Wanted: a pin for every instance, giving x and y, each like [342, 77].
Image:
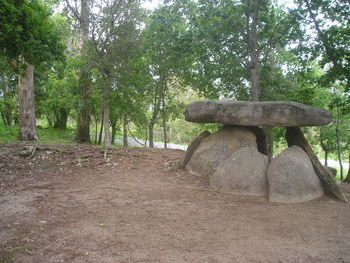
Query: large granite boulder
[243, 172]
[291, 177]
[215, 148]
[193, 146]
[265, 113]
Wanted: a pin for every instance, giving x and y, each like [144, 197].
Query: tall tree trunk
[165, 135]
[105, 103]
[27, 121]
[96, 129]
[125, 130]
[156, 108]
[101, 129]
[252, 20]
[347, 179]
[150, 134]
[114, 128]
[324, 148]
[83, 123]
[338, 145]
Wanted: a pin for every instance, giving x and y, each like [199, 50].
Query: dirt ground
[66, 203]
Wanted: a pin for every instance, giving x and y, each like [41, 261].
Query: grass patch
[45, 134]
[8, 133]
[56, 135]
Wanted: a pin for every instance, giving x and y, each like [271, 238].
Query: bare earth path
[67, 204]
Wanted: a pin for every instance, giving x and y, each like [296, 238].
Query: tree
[7, 93]
[80, 12]
[329, 19]
[236, 41]
[115, 36]
[167, 44]
[27, 37]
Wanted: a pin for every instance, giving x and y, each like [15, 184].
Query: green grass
[56, 135]
[8, 133]
[45, 134]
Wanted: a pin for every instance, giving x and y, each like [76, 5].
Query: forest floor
[66, 203]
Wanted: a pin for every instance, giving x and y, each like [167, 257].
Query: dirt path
[66, 204]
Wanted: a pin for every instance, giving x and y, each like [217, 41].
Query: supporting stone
[260, 139]
[294, 136]
[192, 147]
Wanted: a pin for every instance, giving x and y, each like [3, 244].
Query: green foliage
[27, 32]
[330, 41]
[221, 36]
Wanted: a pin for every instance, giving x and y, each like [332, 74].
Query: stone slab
[265, 113]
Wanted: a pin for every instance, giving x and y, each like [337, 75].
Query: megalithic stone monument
[218, 154]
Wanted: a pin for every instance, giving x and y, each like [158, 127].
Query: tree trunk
[252, 20]
[27, 121]
[150, 134]
[325, 157]
[83, 122]
[96, 129]
[269, 131]
[347, 179]
[156, 108]
[114, 128]
[105, 103]
[61, 120]
[294, 136]
[165, 135]
[338, 145]
[101, 130]
[125, 130]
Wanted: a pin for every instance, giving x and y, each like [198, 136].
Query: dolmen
[236, 160]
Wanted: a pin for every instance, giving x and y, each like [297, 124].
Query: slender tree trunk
[83, 123]
[155, 112]
[125, 130]
[105, 102]
[27, 121]
[114, 128]
[269, 131]
[165, 135]
[338, 145]
[326, 158]
[347, 179]
[96, 129]
[101, 130]
[252, 20]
